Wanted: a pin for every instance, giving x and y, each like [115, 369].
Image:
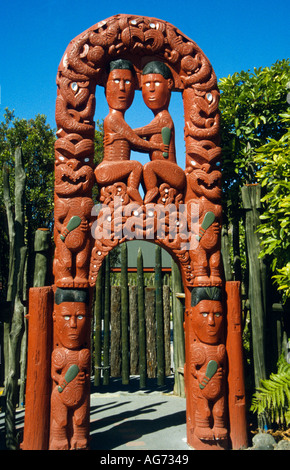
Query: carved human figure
[72, 214]
[70, 371]
[119, 138]
[72, 225]
[157, 83]
[206, 257]
[204, 185]
[207, 363]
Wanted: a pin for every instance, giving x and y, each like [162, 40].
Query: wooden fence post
[107, 302]
[133, 313]
[178, 332]
[124, 314]
[150, 331]
[98, 328]
[16, 292]
[251, 197]
[166, 316]
[141, 318]
[41, 249]
[159, 317]
[115, 331]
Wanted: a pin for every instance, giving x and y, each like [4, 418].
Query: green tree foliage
[36, 139]
[251, 105]
[273, 161]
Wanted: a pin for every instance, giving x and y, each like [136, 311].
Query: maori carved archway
[181, 211]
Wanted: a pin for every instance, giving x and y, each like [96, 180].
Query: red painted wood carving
[181, 208]
[70, 371]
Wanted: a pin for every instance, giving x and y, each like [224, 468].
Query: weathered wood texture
[141, 320]
[16, 294]
[107, 305]
[115, 331]
[178, 331]
[167, 331]
[125, 315]
[98, 329]
[133, 328]
[150, 331]
[159, 317]
[41, 250]
[251, 197]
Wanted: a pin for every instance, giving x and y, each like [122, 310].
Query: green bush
[273, 161]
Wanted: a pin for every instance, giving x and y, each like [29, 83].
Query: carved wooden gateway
[181, 211]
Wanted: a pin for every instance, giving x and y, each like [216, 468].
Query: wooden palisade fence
[132, 326]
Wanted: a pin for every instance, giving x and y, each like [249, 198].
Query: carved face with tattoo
[156, 91]
[208, 319]
[120, 89]
[157, 83]
[71, 323]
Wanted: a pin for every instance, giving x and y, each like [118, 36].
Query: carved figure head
[157, 83]
[71, 317]
[120, 87]
[207, 314]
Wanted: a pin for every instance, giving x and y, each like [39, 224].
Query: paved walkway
[125, 418]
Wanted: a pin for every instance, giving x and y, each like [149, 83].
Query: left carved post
[74, 179]
[36, 425]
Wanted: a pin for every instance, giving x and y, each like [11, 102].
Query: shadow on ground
[125, 417]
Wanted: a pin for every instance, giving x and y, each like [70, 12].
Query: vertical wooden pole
[38, 388]
[107, 302]
[141, 317]
[15, 292]
[41, 249]
[133, 313]
[166, 324]
[150, 331]
[159, 317]
[124, 314]
[251, 196]
[115, 331]
[178, 332]
[236, 383]
[98, 328]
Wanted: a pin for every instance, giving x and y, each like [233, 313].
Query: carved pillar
[37, 405]
[74, 179]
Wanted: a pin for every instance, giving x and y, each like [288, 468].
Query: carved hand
[84, 226]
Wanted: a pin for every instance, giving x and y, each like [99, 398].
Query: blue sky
[234, 36]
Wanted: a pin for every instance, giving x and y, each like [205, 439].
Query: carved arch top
[83, 67]
[141, 39]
